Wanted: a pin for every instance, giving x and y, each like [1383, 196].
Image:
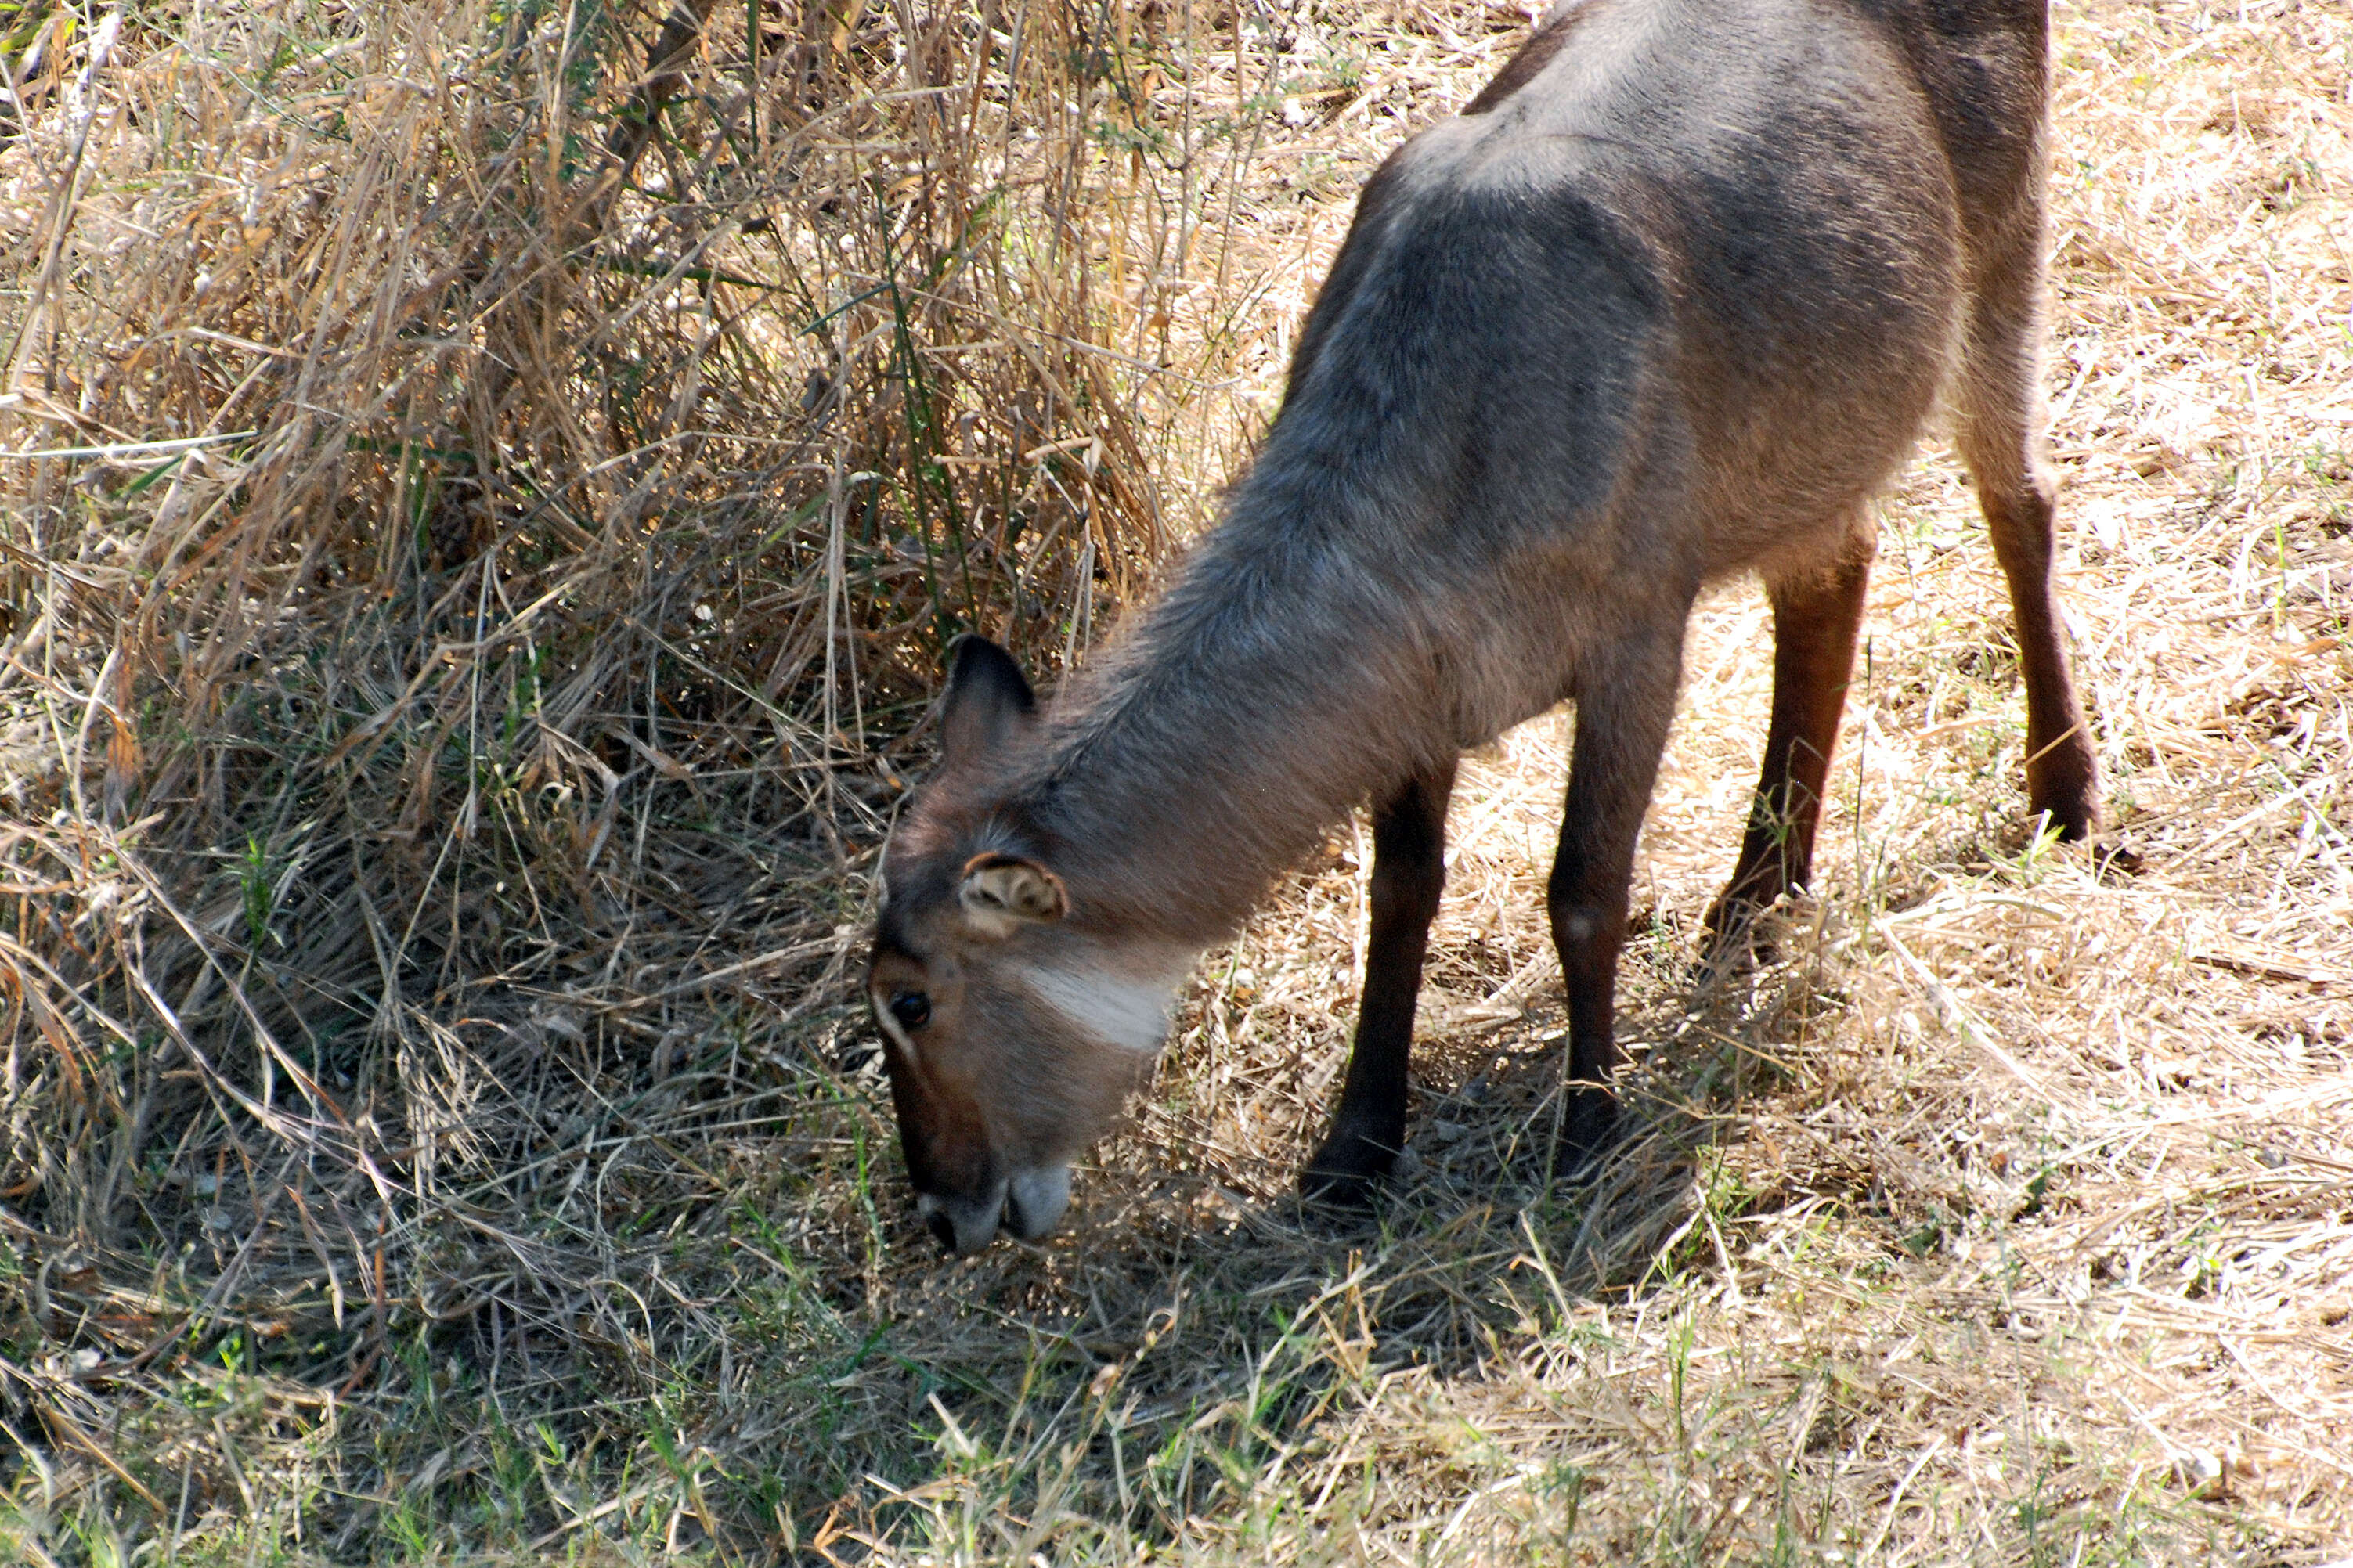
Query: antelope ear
[987, 699]
[1001, 891]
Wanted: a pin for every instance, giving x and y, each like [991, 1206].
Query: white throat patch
[1116, 1008]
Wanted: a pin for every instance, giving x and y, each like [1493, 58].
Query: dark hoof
[2069, 811]
[1738, 931]
[1735, 910]
[1344, 1172]
[2112, 857]
[1730, 934]
[1725, 919]
[1588, 1135]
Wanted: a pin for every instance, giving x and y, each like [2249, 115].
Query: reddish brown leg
[1624, 706]
[1998, 400]
[1816, 617]
[1408, 873]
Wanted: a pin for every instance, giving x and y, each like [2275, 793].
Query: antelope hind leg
[1998, 399]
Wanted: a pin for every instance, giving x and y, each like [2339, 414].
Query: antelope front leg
[1816, 617]
[1624, 707]
[1408, 873]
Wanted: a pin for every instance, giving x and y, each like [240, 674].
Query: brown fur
[1671, 302]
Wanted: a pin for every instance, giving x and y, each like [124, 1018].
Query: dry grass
[437, 1125]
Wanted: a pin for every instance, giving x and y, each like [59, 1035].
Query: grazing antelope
[1668, 300]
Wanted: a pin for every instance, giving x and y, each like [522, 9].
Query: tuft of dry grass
[482, 491]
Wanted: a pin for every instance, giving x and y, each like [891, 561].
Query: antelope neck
[1211, 749]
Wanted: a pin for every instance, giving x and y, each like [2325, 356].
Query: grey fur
[1671, 302]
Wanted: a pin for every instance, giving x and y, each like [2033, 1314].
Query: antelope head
[1016, 1018]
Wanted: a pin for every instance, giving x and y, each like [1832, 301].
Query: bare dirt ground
[2005, 1216]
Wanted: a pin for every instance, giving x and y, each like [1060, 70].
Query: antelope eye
[910, 1009]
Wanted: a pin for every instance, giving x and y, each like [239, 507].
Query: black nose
[945, 1228]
